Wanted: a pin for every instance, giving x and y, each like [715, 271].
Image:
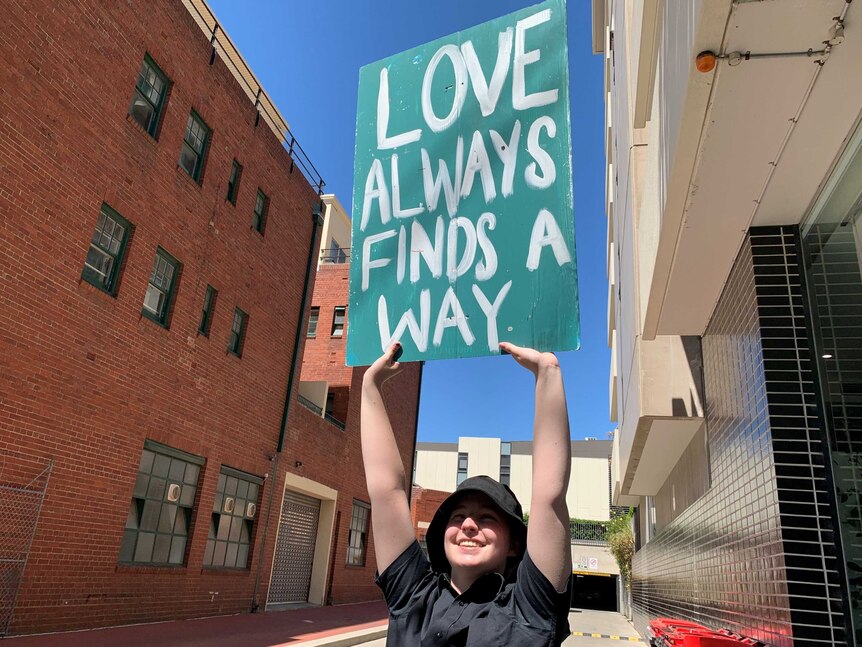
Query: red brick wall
[334, 457]
[324, 355]
[84, 378]
[423, 505]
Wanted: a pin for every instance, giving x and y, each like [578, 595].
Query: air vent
[250, 510]
[174, 490]
[228, 504]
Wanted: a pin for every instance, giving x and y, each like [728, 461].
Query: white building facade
[442, 466]
[733, 199]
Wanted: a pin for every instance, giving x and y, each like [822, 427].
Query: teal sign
[463, 229]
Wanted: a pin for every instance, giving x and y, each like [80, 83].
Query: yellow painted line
[631, 639]
[593, 573]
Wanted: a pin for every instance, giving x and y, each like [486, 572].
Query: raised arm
[548, 531]
[384, 471]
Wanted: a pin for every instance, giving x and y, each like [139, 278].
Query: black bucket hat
[502, 497]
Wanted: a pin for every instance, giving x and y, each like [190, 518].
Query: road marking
[631, 639]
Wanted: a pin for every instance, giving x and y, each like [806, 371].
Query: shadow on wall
[694, 357]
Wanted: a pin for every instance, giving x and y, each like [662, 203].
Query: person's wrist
[548, 363]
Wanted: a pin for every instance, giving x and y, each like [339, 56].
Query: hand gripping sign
[463, 229]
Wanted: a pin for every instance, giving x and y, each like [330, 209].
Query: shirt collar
[485, 589]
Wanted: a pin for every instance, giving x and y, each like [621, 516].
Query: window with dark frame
[107, 248]
[462, 468]
[313, 316]
[207, 311]
[148, 98]
[357, 539]
[232, 521]
[335, 253]
[505, 463]
[338, 253]
[233, 182]
[330, 403]
[161, 288]
[338, 321]
[261, 206]
[194, 147]
[158, 525]
[237, 332]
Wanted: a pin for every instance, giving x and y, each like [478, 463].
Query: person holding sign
[489, 579]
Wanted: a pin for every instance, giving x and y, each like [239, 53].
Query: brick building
[325, 379]
[423, 504]
[327, 433]
[154, 237]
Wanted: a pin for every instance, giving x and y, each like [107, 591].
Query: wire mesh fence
[23, 481]
[591, 533]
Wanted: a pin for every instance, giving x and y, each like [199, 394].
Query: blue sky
[307, 55]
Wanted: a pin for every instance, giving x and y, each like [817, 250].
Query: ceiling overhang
[658, 445]
[770, 129]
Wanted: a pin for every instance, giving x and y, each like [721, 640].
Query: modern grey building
[734, 194]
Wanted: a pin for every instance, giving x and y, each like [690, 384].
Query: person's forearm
[384, 470]
[551, 443]
[548, 530]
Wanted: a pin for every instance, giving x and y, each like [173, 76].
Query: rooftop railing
[264, 107]
[590, 533]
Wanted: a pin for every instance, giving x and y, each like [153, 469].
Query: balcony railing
[590, 533]
[335, 255]
[335, 421]
[308, 404]
[264, 107]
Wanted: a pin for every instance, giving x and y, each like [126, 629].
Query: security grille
[294, 549]
[23, 481]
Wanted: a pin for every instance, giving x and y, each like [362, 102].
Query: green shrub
[621, 542]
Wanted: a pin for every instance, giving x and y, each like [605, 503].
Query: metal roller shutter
[294, 549]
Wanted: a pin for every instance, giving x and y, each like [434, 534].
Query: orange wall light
[705, 62]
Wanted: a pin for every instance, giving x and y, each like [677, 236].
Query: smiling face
[477, 539]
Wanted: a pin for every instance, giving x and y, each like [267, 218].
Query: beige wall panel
[436, 470]
[336, 224]
[483, 455]
[521, 480]
[582, 554]
[588, 496]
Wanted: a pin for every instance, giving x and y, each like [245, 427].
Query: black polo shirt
[424, 609]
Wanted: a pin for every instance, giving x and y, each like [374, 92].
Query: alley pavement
[336, 626]
[601, 629]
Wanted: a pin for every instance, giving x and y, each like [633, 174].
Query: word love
[465, 63]
[463, 194]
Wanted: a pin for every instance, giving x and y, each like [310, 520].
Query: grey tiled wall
[755, 552]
